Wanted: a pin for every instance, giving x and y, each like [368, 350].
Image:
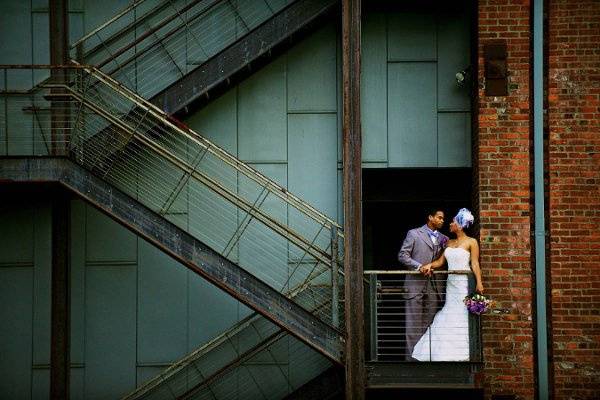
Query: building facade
[208, 115]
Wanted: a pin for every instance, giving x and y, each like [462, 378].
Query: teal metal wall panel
[15, 31]
[77, 287]
[146, 373]
[75, 25]
[40, 27]
[261, 250]
[110, 339]
[16, 330]
[412, 130]
[40, 383]
[454, 139]
[249, 14]
[76, 383]
[212, 219]
[308, 363]
[162, 307]
[311, 73]
[17, 235]
[20, 123]
[374, 88]
[453, 56]
[411, 37]
[98, 12]
[38, 5]
[218, 121]
[262, 115]
[210, 311]
[312, 162]
[42, 284]
[107, 241]
[272, 380]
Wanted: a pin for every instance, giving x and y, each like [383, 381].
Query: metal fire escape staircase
[248, 236]
[181, 51]
[178, 53]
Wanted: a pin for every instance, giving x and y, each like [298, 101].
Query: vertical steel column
[353, 262]
[60, 310]
[59, 55]
[335, 287]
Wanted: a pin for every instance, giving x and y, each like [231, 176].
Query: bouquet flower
[477, 303]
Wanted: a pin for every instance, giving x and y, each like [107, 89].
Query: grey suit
[423, 295]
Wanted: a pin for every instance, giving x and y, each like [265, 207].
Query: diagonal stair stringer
[180, 245]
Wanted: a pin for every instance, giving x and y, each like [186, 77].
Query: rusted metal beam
[59, 54]
[353, 262]
[183, 247]
[60, 307]
[238, 56]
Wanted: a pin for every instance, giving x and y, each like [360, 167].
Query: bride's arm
[475, 265]
[437, 263]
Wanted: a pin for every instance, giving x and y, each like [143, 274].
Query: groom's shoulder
[414, 231]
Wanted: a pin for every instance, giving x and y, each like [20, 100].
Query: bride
[447, 338]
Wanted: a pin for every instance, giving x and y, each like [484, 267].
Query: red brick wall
[574, 165]
[503, 165]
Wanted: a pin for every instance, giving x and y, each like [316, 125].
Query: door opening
[395, 201]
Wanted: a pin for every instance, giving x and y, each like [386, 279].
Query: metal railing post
[335, 289]
[373, 334]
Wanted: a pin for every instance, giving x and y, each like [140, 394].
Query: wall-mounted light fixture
[462, 77]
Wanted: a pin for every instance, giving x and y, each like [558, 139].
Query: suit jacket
[418, 249]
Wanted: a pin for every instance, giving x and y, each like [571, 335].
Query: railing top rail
[405, 272]
[43, 66]
[117, 16]
[139, 101]
[213, 148]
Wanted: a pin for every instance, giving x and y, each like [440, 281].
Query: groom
[423, 295]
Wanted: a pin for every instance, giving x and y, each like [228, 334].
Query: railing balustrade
[239, 212]
[148, 45]
[401, 330]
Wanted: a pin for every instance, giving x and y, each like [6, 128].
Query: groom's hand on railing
[426, 270]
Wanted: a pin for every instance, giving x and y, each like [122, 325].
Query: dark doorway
[395, 201]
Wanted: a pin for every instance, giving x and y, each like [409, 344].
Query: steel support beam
[183, 247]
[221, 67]
[449, 375]
[353, 262]
[60, 310]
[60, 299]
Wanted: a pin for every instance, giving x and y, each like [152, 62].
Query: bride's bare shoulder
[473, 242]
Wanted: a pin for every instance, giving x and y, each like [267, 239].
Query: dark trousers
[420, 311]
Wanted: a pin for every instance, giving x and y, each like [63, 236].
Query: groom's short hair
[433, 210]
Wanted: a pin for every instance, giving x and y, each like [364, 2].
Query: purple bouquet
[477, 303]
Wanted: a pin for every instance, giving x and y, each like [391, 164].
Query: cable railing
[240, 213]
[407, 326]
[148, 48]
[203, 368]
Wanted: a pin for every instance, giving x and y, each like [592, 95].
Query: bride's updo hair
[464, 218]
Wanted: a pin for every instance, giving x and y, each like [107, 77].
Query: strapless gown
[447, 338]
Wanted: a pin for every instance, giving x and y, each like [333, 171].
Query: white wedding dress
[447, 338]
